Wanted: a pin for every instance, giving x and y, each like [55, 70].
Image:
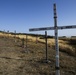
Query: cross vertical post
[56, 41]
[46, 44]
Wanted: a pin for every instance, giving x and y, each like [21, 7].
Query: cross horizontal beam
[67, 27]
[39, 29]
[52, 28]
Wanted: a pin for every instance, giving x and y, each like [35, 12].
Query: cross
[55, 28]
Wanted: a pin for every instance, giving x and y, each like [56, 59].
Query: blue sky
[20, 15]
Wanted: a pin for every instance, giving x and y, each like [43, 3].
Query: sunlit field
[31, 59]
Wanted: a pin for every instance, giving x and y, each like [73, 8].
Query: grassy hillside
[16, 60]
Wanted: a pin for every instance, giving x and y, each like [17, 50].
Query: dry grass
[15, 60]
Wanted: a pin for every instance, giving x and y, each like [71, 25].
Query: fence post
[26, 42]
[15, 35]
[23, 42]
[36, 39]
[8, 33]
[4, 33]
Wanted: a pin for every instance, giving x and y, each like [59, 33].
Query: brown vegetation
[16, 60]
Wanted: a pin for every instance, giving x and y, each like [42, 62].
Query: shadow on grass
[42, 67]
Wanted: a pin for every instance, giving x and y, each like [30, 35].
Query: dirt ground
[16, 60]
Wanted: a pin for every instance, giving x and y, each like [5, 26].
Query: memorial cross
[55, 28]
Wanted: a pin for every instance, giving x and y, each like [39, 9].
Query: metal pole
[46, 44]
[56, 42]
